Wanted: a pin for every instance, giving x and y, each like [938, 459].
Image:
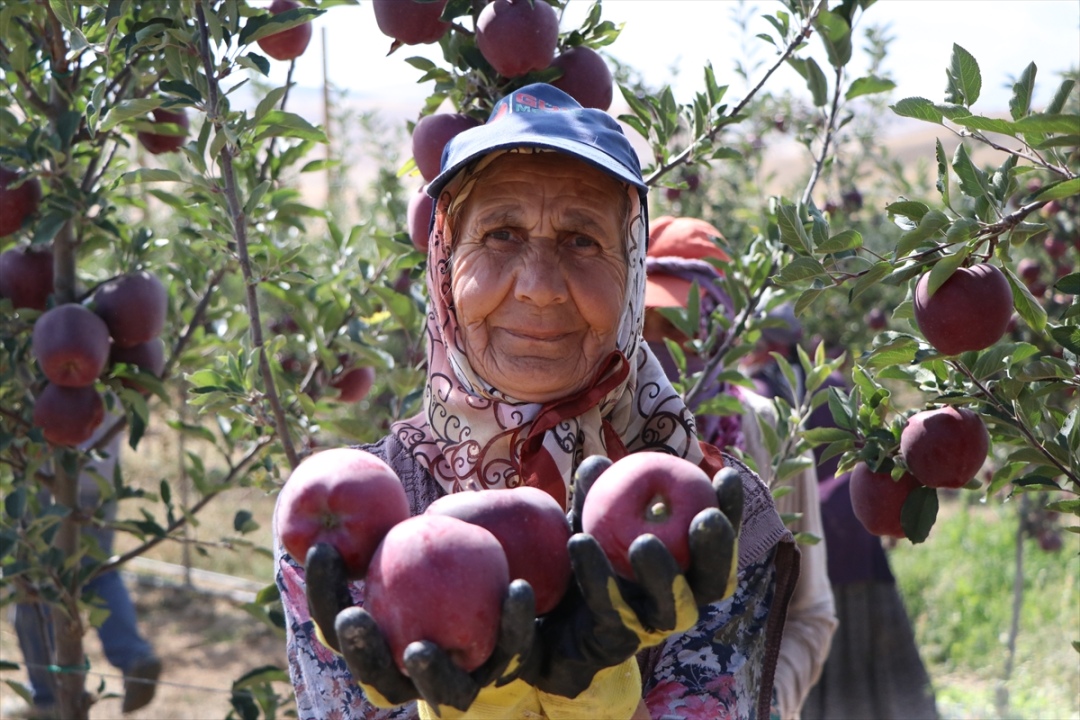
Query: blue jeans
[119, 634]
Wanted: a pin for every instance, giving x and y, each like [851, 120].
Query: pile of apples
[442, 575]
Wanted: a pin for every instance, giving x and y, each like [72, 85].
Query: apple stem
[658, 509]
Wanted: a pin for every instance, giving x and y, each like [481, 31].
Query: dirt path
[205, 642]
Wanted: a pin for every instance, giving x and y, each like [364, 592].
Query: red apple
[26, 277]
[147, 357]
[71, 344]
[532, 529]
[16, 203]
[877, 500]
[354, 384]
[439, 579]
[170, 135]
[586, 77]
[1029, 270]
[944, 448]
[419, 219]
[411, 22]
[430, 136]
[646, 492]
[287, 44]
[68, 415]
[346, 497]
[876, 319]
[1055, 246]
[970, 310]
[133, 306]
[517, 37]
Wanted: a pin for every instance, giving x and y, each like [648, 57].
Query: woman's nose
[540, 278]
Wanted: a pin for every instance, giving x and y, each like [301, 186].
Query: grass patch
[958, 589]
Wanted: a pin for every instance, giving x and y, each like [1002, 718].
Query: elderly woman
[536, 278]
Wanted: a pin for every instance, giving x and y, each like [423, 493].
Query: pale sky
[1002, 35]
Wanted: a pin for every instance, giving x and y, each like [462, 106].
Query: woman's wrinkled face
[539, 273]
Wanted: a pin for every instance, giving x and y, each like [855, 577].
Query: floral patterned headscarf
[470, 434]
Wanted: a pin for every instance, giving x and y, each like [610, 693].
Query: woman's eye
[583, 242]
[499, 235]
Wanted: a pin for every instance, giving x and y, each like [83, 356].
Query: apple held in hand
[133, 306]
[16, 203]
[68, 415]
[970, 311]
[944, 448]
[532, 529]
[411, 22]
[646, 492]
[517, 37]
[26, 276]
[71, 344]
[287, 44]
[876, 500]
[346, 497]
[171, 135]
[439, 579]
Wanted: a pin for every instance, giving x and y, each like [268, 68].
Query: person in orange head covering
[678, 255]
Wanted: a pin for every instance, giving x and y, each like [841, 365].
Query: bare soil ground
[205, 643]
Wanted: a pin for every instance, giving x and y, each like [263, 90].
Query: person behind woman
[535, 277]
[678, 248]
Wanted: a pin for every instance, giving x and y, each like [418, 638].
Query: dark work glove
[433, 676]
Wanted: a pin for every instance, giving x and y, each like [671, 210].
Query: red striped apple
[646, 492]
[346, 497]
[439, 579]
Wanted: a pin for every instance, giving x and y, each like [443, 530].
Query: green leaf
[817, 83]
[1061, 96]
[919, 108]
[1027, 307]
[822, 435]
[919, 513]
[876, 272]
[868, 86]
[836, 36]
[259, 26]
[930, 224]
[972, 179]
[287, 124]
[1067, 336]
[964, 76]
[1070, 284]
[944, 268]
[1020, 102]
[800, 268]
[1049, 123]
[128, 109]
[792, 232]
[977, 122]
[910, 209]
[145, 175]
[181, 88]
[1059, 190]
[942, 172]
[846, 240]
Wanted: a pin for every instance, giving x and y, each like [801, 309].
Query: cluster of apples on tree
[470, 545]
[513, 40]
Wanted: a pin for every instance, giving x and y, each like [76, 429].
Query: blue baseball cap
[540, 115]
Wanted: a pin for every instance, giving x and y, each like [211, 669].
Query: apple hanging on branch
[71, 345]
[287, 44]
[16, 203]
[944, 448]
[68, 416]
[133, 307]
[969, 311]
[877, 500]
[171, 130]
[517, 37]
[410, 22]
[26, 277]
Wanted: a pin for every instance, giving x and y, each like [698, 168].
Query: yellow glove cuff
[614, 694]
[686, 612]
[513, 701]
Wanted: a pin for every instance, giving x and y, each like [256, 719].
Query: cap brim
[666, 291]
[511, 132]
